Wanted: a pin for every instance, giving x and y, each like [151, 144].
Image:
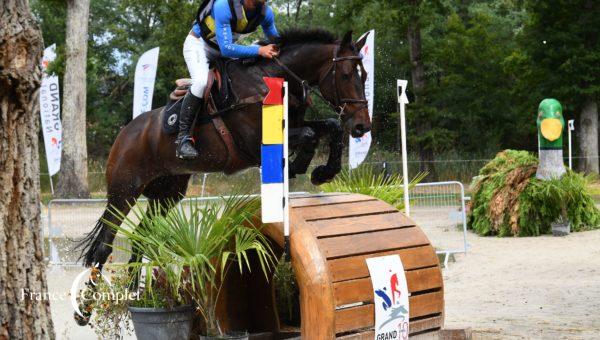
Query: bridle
[339, 103]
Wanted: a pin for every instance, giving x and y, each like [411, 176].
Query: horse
[142, 159]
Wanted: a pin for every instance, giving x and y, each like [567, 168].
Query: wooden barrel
[331, 236]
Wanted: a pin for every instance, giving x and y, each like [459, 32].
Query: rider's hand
[268, 51]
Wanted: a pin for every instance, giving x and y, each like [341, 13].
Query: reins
[340, 103]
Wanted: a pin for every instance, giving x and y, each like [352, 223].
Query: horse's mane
[296, 36]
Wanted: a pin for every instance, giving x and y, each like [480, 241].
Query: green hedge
[508, 200]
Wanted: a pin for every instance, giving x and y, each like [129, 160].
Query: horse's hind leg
[97, 244]
[162, 193]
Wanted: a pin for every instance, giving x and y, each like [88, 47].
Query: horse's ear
[347, 40]
[362, 41]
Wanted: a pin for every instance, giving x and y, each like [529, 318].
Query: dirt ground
[504, 288]
[535, 288]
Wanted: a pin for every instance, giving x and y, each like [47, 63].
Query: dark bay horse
[142, 159]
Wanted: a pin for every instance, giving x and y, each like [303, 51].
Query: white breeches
[197, 55]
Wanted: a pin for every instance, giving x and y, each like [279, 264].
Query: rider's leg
[197, 63]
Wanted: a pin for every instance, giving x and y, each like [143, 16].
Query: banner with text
[145, 76]
[50, 113]
[390, 293]
[359, 147]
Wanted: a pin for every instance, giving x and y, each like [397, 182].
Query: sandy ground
[504, 288]
[535, 288]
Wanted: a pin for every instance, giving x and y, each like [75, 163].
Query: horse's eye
[345, 76]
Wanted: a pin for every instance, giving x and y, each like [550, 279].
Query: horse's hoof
[80, 320]
[321, 175]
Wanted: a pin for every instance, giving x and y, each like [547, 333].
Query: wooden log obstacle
[331, 236]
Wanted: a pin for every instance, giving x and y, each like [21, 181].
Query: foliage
[190, 253]
[560, 51]
[111, 315]
[287, 294]
[507, 199]
[487, 63]
[365, 180]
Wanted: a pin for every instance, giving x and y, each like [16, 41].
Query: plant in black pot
[189, 251]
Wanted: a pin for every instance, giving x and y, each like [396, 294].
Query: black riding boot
[185, 142]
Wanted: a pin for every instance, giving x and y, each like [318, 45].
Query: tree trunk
[422, 126]
[588, 137]
[23, 312]
[73, 179]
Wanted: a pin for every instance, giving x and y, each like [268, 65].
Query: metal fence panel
[440, 209]
[67, 221]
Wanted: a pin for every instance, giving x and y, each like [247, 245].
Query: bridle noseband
[339, 104]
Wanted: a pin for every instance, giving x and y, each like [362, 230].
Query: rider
[219, 23]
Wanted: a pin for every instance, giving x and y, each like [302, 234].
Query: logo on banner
[146, 67]
[390, 298]
[390, 295]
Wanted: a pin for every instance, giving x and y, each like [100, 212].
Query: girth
[234, 161]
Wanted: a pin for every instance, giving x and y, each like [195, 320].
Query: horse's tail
[90, 243]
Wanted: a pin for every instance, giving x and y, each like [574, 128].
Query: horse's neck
[307, 60]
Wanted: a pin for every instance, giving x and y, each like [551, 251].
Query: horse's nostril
[359, 128]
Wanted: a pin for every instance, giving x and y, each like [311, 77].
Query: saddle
[219, 98]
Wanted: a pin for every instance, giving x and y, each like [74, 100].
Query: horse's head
[342, 83]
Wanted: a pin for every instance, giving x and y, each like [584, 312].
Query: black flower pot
[162, 323]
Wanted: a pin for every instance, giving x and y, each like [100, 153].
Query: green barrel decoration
[550, 124]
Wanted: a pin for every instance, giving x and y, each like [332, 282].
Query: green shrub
[365, 180]
[508, 200]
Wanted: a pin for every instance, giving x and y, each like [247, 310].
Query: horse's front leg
[304, 141]
[332, 127]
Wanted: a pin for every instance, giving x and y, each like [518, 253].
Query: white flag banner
[50, 113]
[359, 147]
[145, 75]
[390, 293]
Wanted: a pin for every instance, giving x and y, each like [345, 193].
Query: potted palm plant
[189, 254]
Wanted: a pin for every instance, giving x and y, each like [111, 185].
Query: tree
[23, 314]
[562, 49]
[73, 179]
[423, 126]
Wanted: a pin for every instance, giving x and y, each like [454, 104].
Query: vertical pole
[203, 184]
[464, 216]
[52, 185]
[286, 179]
[402, 101]
[571, 127]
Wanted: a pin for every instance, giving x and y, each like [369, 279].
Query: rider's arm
[268, 24]
[229, 49]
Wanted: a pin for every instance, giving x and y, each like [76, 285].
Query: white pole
[203, 184]
[52, 185]
[571, 125]
[402, 101]
[286, 179]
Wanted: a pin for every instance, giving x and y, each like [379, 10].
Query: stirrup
[178, 150]
[185, 138]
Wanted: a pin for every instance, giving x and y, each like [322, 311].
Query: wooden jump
[331, 236]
